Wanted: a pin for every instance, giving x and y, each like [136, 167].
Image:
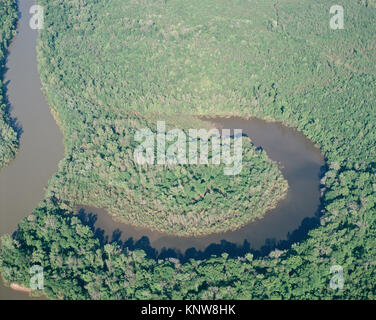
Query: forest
[99, 126]
[8, 134]
[111, 67]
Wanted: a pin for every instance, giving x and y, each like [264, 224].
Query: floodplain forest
[111, 67]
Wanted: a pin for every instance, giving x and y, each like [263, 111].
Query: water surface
[23, 182]
[300, 162]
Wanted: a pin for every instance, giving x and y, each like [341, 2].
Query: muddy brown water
[23, 183]
[301, 163]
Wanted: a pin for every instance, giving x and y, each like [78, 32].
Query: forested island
[111, 67]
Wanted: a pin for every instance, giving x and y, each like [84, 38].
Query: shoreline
[17, 287]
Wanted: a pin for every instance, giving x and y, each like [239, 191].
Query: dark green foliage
[289, 67]
[184, 199]
[104, 91]
[8, 136]
[77, 267]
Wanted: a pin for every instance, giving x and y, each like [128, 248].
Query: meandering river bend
[22, 184]
[300, 162]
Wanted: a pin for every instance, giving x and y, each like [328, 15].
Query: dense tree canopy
[250, 58]
[104, 92]
[8, 136]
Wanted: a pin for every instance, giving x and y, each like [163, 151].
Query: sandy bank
[20, 288]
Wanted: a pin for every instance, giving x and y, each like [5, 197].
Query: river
[301, 163]
[23, 183]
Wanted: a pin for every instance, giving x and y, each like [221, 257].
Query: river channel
[23, 182]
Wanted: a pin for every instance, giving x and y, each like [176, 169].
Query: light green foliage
[117, 70]
[273, 60]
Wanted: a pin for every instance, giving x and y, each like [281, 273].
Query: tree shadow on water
[233, 250]
[215, 249]
[10, 118]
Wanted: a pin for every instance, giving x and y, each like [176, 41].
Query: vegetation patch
[8, 136]
[289, 67]
[108, 80]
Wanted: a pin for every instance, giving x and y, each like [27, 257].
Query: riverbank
[19, 288]
[9, 136]
[23, 181]
[300, 162]
[341, 123]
